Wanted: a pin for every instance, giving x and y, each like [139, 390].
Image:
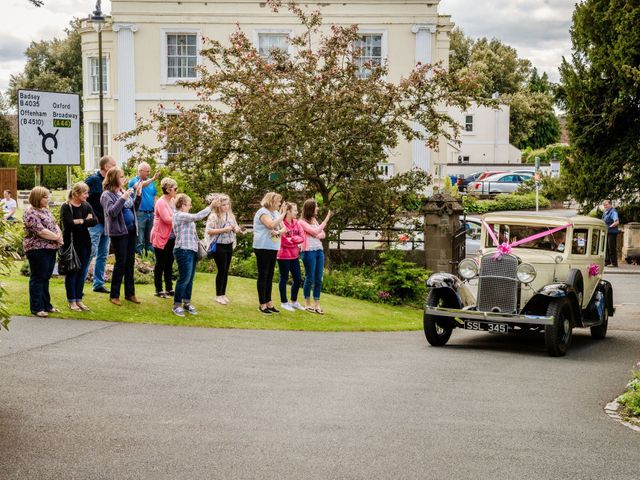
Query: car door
[507, 184]
[595, 258]
[579, 259]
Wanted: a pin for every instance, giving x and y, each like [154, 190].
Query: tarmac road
[98, 400]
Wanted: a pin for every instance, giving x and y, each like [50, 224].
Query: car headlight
[526, 273]
[468, 268]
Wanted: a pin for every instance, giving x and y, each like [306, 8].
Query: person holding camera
[121, 225]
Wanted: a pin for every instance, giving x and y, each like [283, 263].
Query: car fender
[540, 301]
[452, 283]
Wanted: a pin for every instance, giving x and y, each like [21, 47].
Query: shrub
[9, 240]
[631, 397]
[354, 282]
[504, 201]
[401, 280]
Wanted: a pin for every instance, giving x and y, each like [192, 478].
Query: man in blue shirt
[147, 206]
[610, 217]
[99, 240]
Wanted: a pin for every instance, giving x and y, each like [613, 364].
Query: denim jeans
[287, 266]
[74, 281]
[99, 251]
[186, 260]
[41, 263]
[314, 268]
[145, 224]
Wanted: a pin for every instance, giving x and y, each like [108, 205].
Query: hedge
[504, 201]
[54, 176]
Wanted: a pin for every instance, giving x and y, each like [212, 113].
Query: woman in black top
[76, 216]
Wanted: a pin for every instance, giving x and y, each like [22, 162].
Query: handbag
[214, 243]
[68, 261]
[202, 250]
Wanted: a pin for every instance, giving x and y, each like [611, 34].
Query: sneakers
[190, 309]
[273, 309]
[297, 305]
[222, 300]
[287, 306]
[266, 311]
[179, 311]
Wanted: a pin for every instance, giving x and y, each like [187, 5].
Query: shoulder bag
[68, 261]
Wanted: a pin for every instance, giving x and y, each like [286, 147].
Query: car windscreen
[511, 233]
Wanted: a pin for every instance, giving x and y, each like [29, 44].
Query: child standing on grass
[313, 254]
[290, 240]
[186, 252]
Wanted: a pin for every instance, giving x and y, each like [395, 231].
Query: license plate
[486, 326]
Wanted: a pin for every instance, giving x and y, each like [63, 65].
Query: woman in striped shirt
[186, 252]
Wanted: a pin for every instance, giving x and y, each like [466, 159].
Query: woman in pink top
[291, 236]
[313, 254]
[163, 239]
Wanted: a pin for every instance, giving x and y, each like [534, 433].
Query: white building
[149, 46]
[484, 142]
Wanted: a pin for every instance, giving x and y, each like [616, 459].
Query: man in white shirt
[9, 206]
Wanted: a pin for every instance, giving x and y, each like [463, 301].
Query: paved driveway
[96, 400]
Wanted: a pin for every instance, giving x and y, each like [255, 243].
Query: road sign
[48, 128]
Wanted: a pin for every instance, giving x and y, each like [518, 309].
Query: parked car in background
[545, 277]
[464, 180]
[525, 171]
[500, 183]
[490, 173]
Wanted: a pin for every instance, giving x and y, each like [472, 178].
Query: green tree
[600, 90]
[307, 124]
[500, 70]
[7, 140]
[54, 65]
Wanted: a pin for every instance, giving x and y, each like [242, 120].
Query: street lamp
[98, 21]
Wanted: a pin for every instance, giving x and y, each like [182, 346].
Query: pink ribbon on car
[506, 248]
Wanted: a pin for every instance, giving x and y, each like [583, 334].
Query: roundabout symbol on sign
[45, 137]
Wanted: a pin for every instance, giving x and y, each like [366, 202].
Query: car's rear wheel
[600, 331]
[438, 329]
[557, 337]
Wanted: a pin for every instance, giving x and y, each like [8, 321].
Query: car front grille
[498, 285]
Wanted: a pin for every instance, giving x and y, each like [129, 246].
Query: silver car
[499, 183]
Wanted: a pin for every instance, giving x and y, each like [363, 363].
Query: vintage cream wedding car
[534, 274]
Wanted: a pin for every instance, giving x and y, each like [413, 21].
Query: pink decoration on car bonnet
[594, 270]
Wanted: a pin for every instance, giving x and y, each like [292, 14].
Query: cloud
[539, 30]
[11, 48]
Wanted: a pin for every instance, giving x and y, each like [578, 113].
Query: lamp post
[98, 21]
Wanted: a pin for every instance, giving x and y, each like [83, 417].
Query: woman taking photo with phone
[221, 231]
[163, 238]
[313, 254]
[267, 223]
[121, 225]
[288, 258]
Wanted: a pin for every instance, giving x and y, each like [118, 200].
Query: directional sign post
[49, 128]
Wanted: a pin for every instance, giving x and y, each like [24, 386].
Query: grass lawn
[341, 314]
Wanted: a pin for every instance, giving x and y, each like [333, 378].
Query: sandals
[83, 307]
[162, 294]
[318, 310]
[74, 307]
[41, 314]
[54, 310]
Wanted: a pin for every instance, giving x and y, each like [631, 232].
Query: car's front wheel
[557, 337]
[438, 329]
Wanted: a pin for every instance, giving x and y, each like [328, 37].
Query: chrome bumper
[460, 315]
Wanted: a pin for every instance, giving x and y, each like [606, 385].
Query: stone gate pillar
[441, 222]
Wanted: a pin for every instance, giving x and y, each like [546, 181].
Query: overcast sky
[538, 29]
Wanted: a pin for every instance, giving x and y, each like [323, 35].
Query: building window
[385, 170]
[94, 72]
[369, 53]
[468, 123]
[267, 42]
[182, 55]
[172, 149]
[465, 159]
[95, 140]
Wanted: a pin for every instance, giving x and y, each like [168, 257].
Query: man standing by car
[145, 212]
[99, 241]
[610, 217]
